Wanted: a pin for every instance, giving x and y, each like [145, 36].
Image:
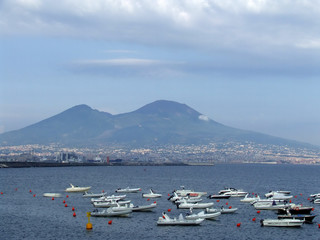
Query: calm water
[26, 216]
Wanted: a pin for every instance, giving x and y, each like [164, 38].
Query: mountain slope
[160, 122]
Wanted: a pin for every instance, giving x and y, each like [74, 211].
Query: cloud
[201, 23]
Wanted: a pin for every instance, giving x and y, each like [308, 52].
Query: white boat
[233, 192]
[280, 196]
[77, 189]
[108, 198]
[316, 195]
[202, 215]
[152, 194]
[271, 193]
[185, 204]
[93, 195]
[165, 220]
[317, 201]
[175, 197]
[249, 199]
[270, 205]
[281, 222]
[109, 212]
[52, 195]
[128, 190]
[188, 200]
[184, 192]
[227, 210]
[112, 203]
[133, 208]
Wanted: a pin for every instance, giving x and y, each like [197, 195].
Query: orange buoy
[72, 208]
[1, 193]
[103, 191]
[34, 195]
[154, 202]
[74, 214]
[218, 200]
[258, 211]
[148, 199]
[110, 222]
[30, 191]
[295, 196]
[319, 225]
[89, 224]
[290, 201]
[308, 199]
[230, 207]
[227, 203]
[64, 201]
[169, 210]
[52, 198]
[254, 219]
[312, 209]
[66, 205]
[300, 194]
[67, 196]
[238, 224]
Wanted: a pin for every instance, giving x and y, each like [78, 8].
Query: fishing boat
[77, 189]
[165, 220]
[281, 222]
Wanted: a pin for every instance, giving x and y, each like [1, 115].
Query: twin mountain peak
[161, 122]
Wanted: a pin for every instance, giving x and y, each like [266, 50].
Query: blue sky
[250, 64]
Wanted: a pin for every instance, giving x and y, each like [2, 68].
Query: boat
[108, 198]
[52, 195]
[271, 193]
[233, 192]
[112, 203]
[219, 196]
[188, 200]
[270, 205]
[184, 192]
[295, 209]
[305, 218]
[165, 220]
[128, 190]
[152, 194]
[133, 208]
[93, 195]
[281, 222]
[77, 189]
[316, 195]
[202, 215]
[185, 204]
[227, 210]
[110, 213]
[316, 201]
[175, 197]
[250, 199]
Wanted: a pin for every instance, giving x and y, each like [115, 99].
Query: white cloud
[204, 118]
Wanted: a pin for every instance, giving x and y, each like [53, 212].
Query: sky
[249, 64]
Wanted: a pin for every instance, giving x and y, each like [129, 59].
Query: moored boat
[128, 190]
[281, 222]
[305, 218]
[111, 213]
[203, 215]
[249, 199]
[52, 195]
[185, 204]
[152, 194]
[93, 195]
[77, 189]
[165, 220]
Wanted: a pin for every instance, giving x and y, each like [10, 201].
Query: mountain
[160, 122]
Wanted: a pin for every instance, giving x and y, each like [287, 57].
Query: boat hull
[281, 223]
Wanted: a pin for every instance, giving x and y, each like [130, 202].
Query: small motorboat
[175, 197]
[112, 203]
[305, 218]
[316, 195]
[227, 210]
[133, 208]
[316, 201]
[188, 200]
[152, 194]
[249, 199]
[271, 205]
[108, 198]
[202, 215]
[52, 195]
[219, 196]
[184, 192]
[281, 222]
[93, 195]
[165, 220]
[233, 192]
[295, 209]
[110, 213]
[271, 193]
[185, 204]
[128, 190]
[77, 189]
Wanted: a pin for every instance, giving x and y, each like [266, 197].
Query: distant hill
[160, 122]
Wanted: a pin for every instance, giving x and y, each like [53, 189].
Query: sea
[26, 214]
